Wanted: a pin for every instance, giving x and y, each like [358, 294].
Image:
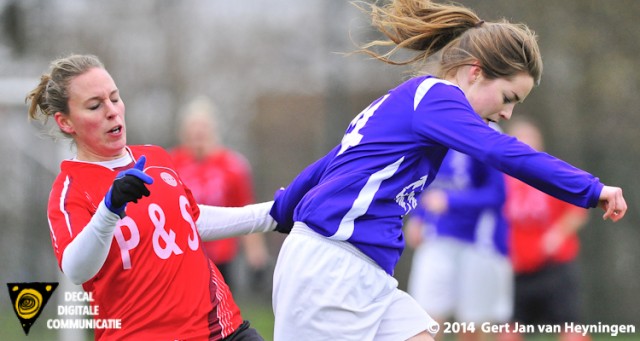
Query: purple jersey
[392, 150]
[475, 202]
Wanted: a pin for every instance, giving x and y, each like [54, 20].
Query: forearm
[85, 255]
[225, 222]
[287, 200]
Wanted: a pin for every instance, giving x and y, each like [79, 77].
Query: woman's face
[96, 116]
[494, 99]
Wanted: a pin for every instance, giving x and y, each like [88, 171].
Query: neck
[94, 157]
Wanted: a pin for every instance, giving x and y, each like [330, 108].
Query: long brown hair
[457, 35]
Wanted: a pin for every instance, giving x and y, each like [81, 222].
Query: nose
[112, 109]
[506, 114]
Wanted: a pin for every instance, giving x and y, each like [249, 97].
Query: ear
[475, 71]
[64, 123]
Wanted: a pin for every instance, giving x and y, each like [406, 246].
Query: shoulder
[147, 148]
[62, 180]
[79, 171]
[429, 89]
[80, 182]
[423, 84]
[150, 151]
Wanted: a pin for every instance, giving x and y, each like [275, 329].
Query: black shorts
[549, 296]
[244, 333]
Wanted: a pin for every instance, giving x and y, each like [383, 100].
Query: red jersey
[156, 279]
[531, 213]
[222, 179]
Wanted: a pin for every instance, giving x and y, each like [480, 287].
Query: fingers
[613, 215]
[140, 175]
[614, 204]
[129, 186]
[133, 189]
[140, 163]
[138, 171]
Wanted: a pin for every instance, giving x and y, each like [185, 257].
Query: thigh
[404, 318]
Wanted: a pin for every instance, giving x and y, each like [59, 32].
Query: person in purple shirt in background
[334, 274]
[460, 269]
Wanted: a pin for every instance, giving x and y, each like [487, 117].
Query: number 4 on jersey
[353, 137]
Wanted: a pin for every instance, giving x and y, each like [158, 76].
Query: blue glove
[128, 186]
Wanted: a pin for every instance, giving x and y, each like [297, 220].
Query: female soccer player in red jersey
[125, 226]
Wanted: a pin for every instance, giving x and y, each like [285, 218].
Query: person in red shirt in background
[217, 176]
[544, 247]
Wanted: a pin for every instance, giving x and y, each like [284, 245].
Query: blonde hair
[458, 35]
[51, 95]
[202, 110]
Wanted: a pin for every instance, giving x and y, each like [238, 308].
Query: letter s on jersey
[156, 215]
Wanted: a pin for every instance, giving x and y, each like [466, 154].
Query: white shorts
[452, 278]
[329, 290]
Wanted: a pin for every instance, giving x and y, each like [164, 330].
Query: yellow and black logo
[29, 299]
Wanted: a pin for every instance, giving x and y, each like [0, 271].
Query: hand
[613, 203]
[128, 186]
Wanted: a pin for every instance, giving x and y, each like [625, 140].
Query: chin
[119, 150]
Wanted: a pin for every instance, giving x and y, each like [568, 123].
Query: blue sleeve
[488, 192]
[445, 117]
[287, 199]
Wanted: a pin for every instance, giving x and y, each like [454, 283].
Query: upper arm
[68, 213]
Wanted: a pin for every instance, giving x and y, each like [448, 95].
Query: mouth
[115, 130]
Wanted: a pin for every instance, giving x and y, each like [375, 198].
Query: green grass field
[260, 314]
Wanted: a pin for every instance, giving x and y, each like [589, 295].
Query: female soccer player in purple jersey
[333, 278]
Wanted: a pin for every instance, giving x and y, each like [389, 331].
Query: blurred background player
[460, 269]
[544, 247]
[218, 176]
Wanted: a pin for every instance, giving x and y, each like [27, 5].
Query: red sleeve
[68, 213]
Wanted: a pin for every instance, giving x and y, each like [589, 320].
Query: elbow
[69, 270]
[74, 278]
